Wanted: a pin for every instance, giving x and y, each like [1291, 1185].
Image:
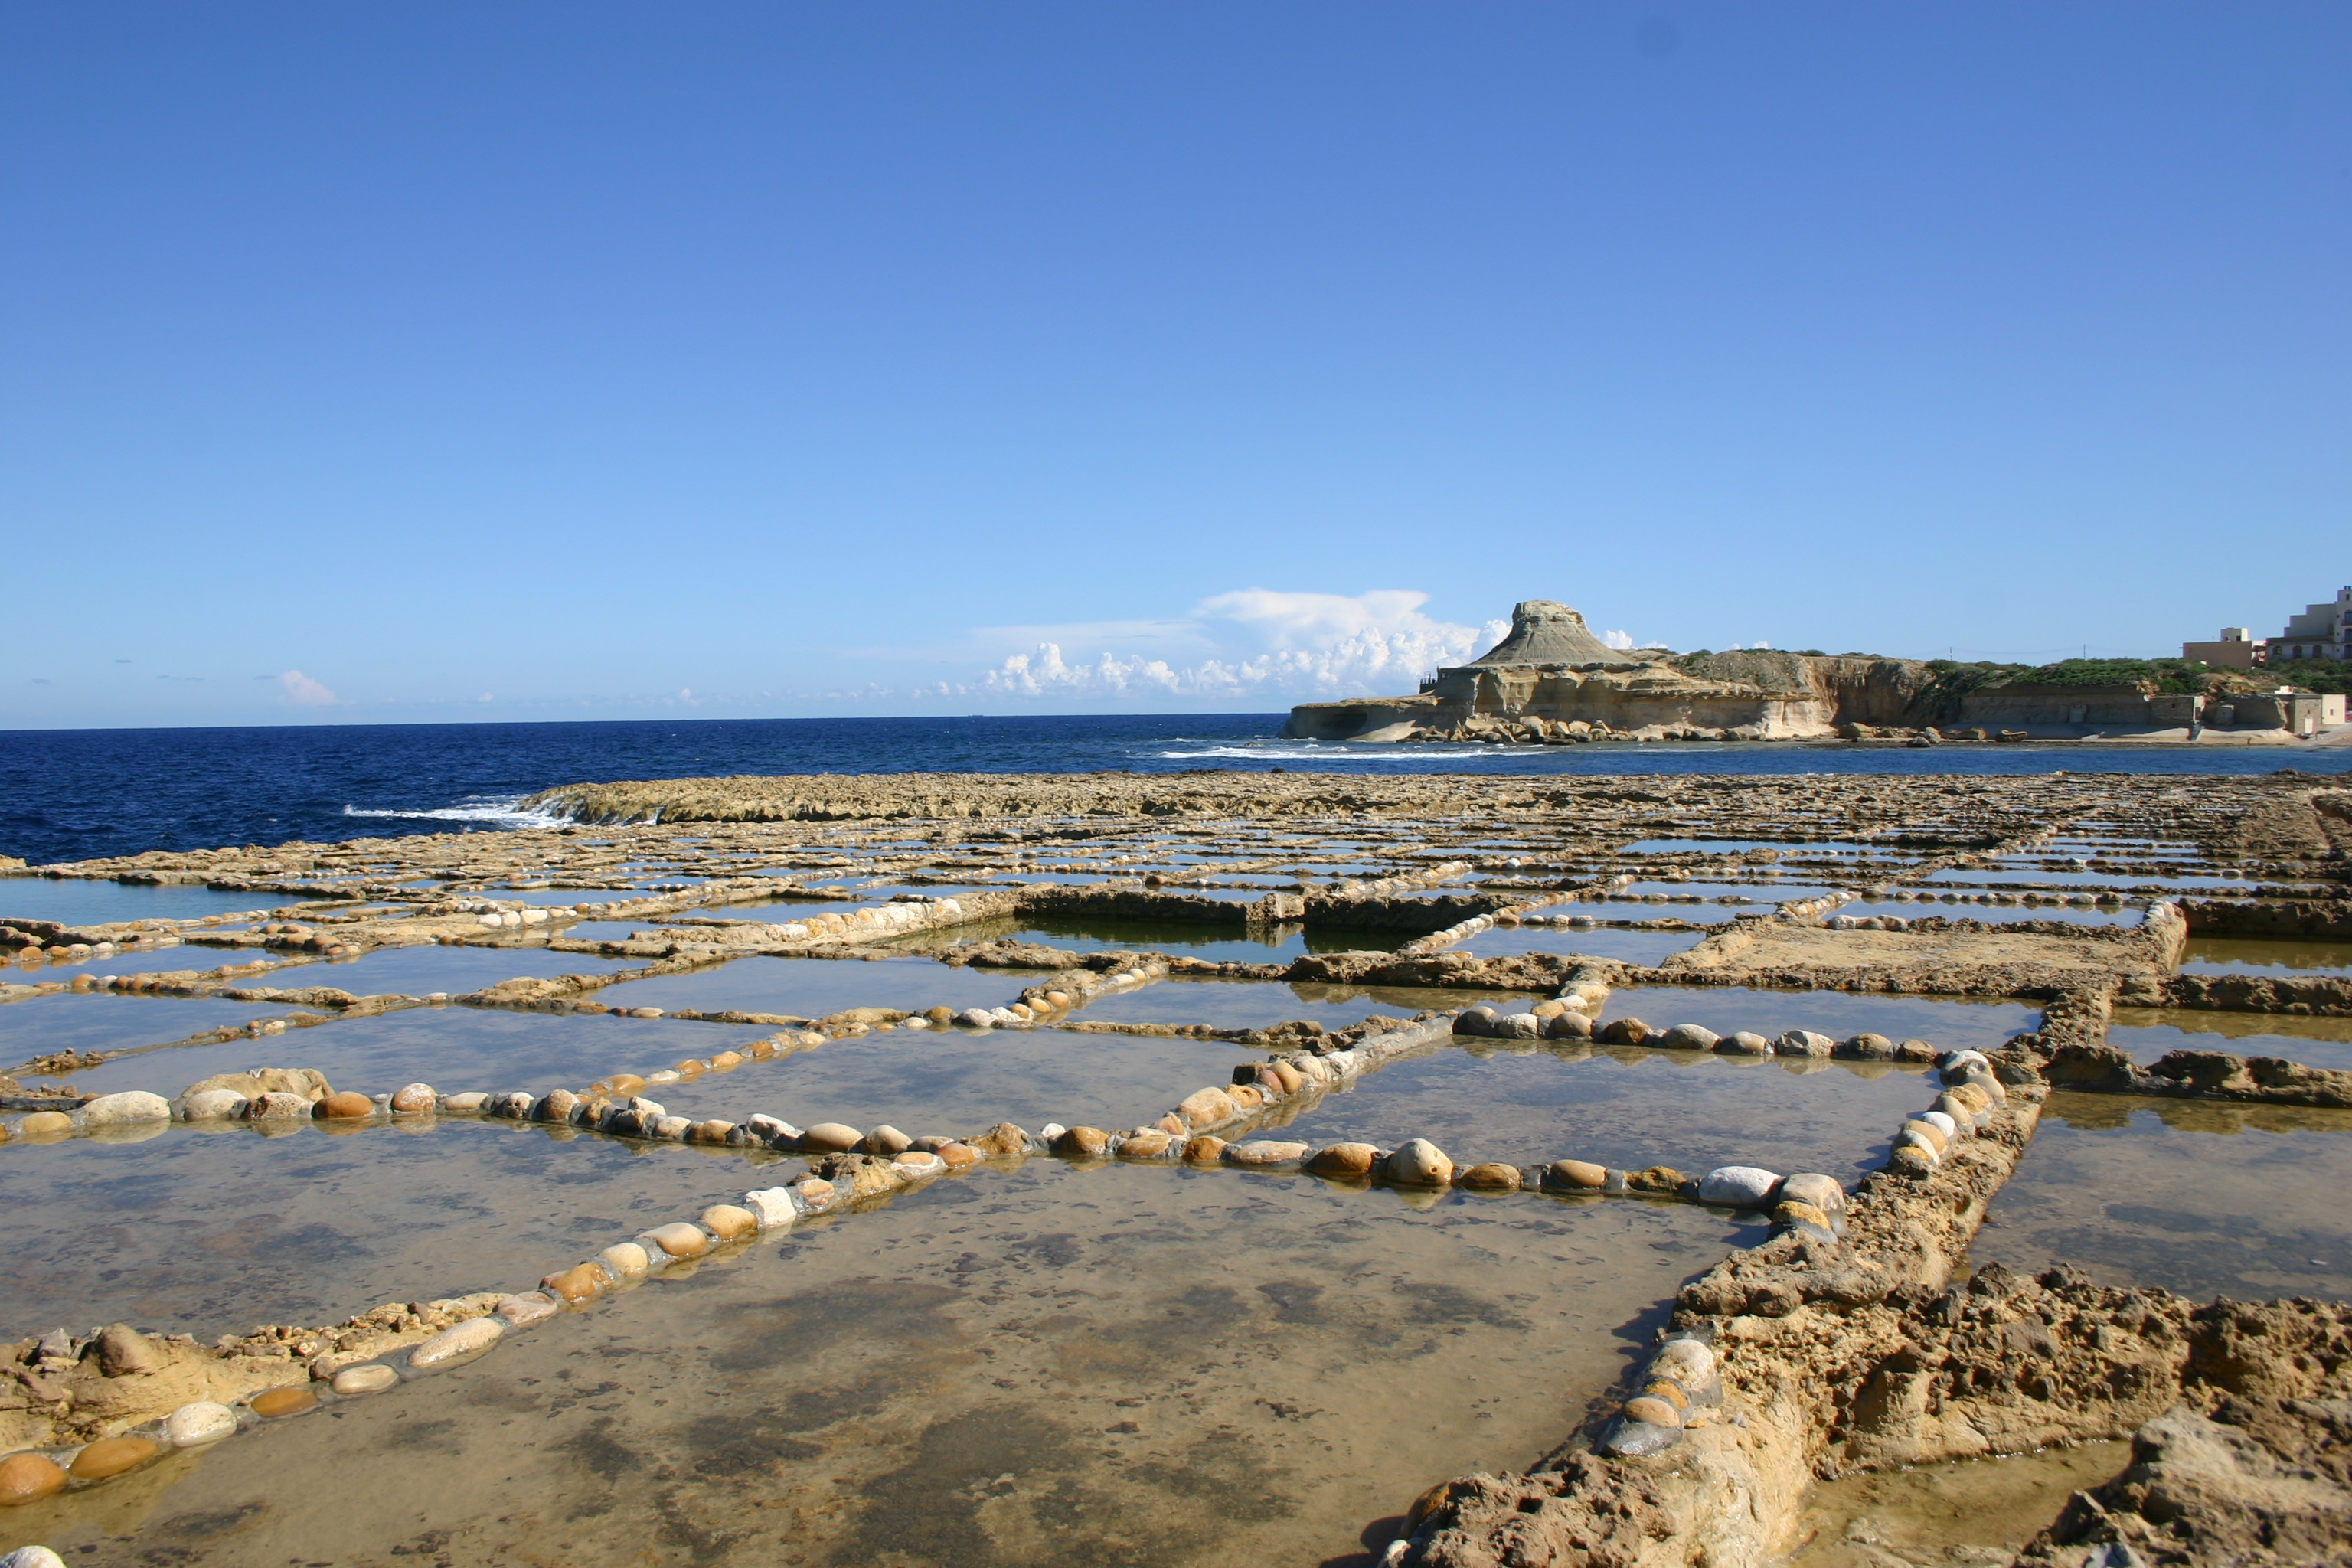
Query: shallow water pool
[77, 900]
[422, 969]
[217, 1229]
[98, 1021]
[2202, 1197]
[1643, 947]
[960, 1082]
[1255, 1003]
[1186, 939]
[455, 1049]
[1531, 1102]
[2149, 1032]
[2252, 955]
[1039, 1367]
[1990, 914]
[814, 987]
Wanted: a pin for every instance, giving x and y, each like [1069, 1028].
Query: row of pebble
[1972, 1092]
[1552, 1022]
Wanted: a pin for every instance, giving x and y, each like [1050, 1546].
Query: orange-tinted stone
[573, 1286]
[1344, 1160]
[283, 1402]
[28, 1478]
[1082, 1141]
[111, 1457]
[343, 1105]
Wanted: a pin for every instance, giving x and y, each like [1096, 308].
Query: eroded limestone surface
[656, 940]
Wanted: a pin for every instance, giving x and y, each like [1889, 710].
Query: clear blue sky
[434, 361]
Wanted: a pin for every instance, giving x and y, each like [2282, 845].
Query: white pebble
[466, 1339]
[205, 1421]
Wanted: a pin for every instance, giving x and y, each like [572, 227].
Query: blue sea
[71, 795]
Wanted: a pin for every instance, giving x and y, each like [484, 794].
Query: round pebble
[1688, 1362]
[201, 1421]
[29, 1478]
[46, 1125]
[466, 1338]
[414, 1099]
[1822, 1192]
[1737, 1186]
[581, 1282]
[32, 1557]
[1418, 1163]
[278, 1402]
[1576, 1175]
[679, 1239]
[1653, 1410]
[626, 1260]
[830, 1138]
[1491, 1178]
[1344, 1160]
[374, 1378]
[1082, 1141]
[1934, 1137]
[111, 1457]
[134, 1105]
[343, 1106]
[213, 1105]
[728, 1223]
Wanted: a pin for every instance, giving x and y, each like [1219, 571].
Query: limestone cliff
[1551, 680]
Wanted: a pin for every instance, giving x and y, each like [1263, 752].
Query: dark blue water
[69, 795]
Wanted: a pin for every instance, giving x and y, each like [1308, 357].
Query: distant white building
[2322, 631]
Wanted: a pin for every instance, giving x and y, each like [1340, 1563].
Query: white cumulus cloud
[1249, 643]
[305, 693]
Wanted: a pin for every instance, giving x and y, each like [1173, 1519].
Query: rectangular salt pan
[217, 1228]
[2251, 956]
[1045, 1366]
[2146, 1033]
[1256, 1003]
[2199, 1197]
[1625, 1107]
[97, 1022]
[958, 1083]
[76, 900]
[453, 1048]
[814, 987]
[1643, 947]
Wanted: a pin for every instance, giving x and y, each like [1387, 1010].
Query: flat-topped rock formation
[1552, 682]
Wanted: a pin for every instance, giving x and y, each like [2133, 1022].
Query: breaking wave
[497, 813]
[1353, 753]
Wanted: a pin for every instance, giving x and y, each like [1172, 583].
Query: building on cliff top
[2237, 648]
[2322, 631]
